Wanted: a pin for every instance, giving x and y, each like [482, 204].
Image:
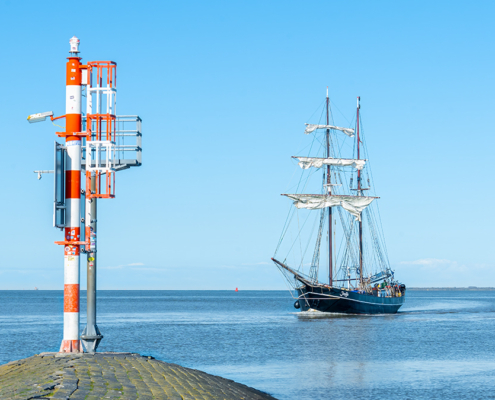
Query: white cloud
[258, 263]
[427, 261]
[436, 272]
[437, 264]
[149, 269]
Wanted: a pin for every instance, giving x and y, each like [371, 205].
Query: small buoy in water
[297, 305]
[236, 289]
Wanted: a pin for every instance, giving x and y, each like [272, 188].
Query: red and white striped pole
[71, 342]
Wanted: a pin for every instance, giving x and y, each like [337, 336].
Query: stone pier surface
[113, 376]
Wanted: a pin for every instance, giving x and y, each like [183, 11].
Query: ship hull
[336, 300]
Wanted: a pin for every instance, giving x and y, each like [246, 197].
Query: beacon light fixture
[39, 117]
[74, 45]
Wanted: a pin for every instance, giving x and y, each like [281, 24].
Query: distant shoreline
[469, 288]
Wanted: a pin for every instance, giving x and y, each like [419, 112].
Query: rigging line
[380, 237]
[320, 106]
[348, 230]
[382, 234]
[383, 255]
[300, 242]
[316, 255]
[297, 190]
[319, 141]
[330, 110]
[345, 230]
[348, 255]
[309, 242]
[341, 145]
[315, 171]
[322, 111]
[368, 254]
[292, 209]
[287, 223]
[313, 263]
[342, 114]
[303, 149]
[312, 142]
[298, 234]
[370, 215]
[310, 173]
[381, 231]
[375, 254]
[295, 169]
[333, 122]
[315, 136]
[341, 253]
[310, 147]
[285, 229]
[288, 280]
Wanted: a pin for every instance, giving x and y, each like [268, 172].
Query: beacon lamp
[39, 117]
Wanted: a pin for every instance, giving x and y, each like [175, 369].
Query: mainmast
[329, 188]
[360, 193]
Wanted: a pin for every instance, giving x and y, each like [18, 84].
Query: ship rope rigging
[338, 217]
[347, 253]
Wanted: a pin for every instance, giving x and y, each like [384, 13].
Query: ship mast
[329, 188]
[360, 193]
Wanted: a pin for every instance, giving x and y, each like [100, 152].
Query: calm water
[440, 346]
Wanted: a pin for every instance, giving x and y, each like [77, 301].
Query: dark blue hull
[335, 300]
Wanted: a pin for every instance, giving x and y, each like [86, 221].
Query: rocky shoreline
[113, 376]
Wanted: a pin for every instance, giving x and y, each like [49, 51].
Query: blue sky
[224, 89]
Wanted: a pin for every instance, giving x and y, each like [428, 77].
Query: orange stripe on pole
[74, 76]
[73, 125]
[71, 297]
[72, 184]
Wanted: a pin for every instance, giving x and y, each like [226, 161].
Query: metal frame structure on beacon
[98, 143]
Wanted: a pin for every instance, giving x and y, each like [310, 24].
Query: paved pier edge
[113, 376]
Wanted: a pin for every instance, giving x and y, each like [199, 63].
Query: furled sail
[352, 204]
[308, 162]
[312, 127]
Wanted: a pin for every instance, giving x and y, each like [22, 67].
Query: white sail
[312, 127]
[353, 204]
[308, 162]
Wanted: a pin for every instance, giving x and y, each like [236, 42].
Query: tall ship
[341, 223]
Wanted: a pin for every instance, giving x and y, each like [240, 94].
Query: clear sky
[224, 88]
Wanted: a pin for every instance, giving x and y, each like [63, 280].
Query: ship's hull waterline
[335, 300]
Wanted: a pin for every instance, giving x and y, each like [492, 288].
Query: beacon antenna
[74, 45]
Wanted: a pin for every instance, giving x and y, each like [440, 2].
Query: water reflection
[438, 343]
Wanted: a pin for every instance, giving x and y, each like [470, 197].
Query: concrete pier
[113, 376]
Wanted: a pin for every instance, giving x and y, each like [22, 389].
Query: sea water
[440, 345]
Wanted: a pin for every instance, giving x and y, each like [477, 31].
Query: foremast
[354, 205]
[329, 188]
[360, 193]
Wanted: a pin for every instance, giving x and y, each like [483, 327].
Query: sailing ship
[360, 279]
